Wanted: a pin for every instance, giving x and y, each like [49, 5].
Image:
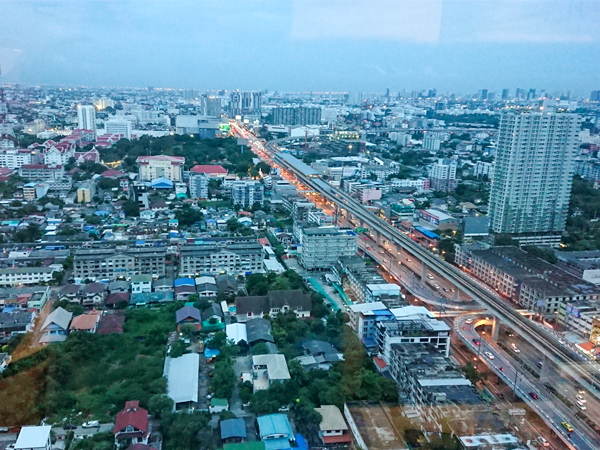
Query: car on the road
[581, 406]
[284, 409]
[4, 430]
[430, 276]
[436, 287]
[91, 424]
[567, 426]
[408, 260]
[382, 252]
[469, 321]
[562, 341]
[70, 426]
[489, 355]
[581, 398]
[515, 348]
[368, 248]
[533, 395]
[543, 441]
[500, 395]
[446, 289]
[476, 342]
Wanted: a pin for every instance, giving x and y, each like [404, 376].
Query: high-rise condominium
[86, 117]
[533, 175]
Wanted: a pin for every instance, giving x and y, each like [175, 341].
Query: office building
[110, 263]
[534, 174]
[198, 185]
[442, 175]
[242, 103]
[322, 247]
[161, 166]
[581, 317]
[120, 127]
[86, 192]
[582, 264]
[205, 127]
[247, 192]
[412, 325]
[14, 158]
[528, 281]
[484, 168]
[217, 256]
[86, 117]
[595, 96]
[300, 115]
[505, 94]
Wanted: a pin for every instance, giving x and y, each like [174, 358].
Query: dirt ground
[376, 429]
[31, 342]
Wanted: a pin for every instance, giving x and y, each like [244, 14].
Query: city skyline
[304, 46]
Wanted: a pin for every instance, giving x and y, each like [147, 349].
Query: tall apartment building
[198, 185]
[245, 103]
[110, 263]
[322, 247]
[214, 256]
[533, 176]
[86, 117]
[86, 192]
[300, 115]
[41, 172]
[161, 166]
[431, 143]
[484, 168]
[211, 106]
[247, 192]
[442, 175]
[116, 126]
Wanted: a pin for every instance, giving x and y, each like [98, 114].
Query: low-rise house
[218, 405]
[70, 293]
[14, 322]
[206, 287]
[94, 294]
[333, 429]
[188, 315]
[236, 332]
[319, 355]
[227, 285]
[275, 431]
[34, 438]
[213, 314]
[119, 287]
[111, 323]
[131, 425]
[258, 330]
[273, 303]
[182, 380]
[56, 326]
[163, 285]
[233, 431]
[268, 369]
[183, 292]
[85, 322]
[141, 283]
[118, 299]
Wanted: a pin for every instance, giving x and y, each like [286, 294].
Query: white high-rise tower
[534, 175]
[86, 117]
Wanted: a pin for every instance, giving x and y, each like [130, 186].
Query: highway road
[547, 406]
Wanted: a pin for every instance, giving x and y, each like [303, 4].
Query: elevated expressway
[583, 372]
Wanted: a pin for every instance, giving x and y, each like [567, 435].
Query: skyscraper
[533, 175]
[505, 94]
[86, 117]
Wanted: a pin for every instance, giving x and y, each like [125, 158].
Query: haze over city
[305, 45]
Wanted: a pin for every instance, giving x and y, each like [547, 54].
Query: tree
[260, 349]
[223, 379]
[30, 234]
[472, 374]
[257, 284]
[131, 208]
[181, 430]
[233, 225]
[159, 404]
[188, 216]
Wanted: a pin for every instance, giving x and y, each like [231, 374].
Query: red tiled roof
[132, 415]
[111, 323]
[587, 346]
[379, 362]
[112, 173]
[117, 297]
[208, 169]
[337, 439]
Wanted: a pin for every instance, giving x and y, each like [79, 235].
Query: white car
[469, 321]
[515, 349]
[581, 399]
[489, 355]
[581, 406]
[543, 441]
[91, 424]
[430, 276]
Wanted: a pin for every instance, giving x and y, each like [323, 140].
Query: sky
[304, 45]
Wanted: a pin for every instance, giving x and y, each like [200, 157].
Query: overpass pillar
[455, 293]
[378, 238]
[495, 328]
[423, 271]
[547, 370]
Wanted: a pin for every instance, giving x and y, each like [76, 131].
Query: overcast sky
[304, 45]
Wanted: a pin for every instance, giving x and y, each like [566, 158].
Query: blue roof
[210, 352]
[301, 442]
[184, 282]
[382, 312]
[161, 183]
[427, 233]
[233, 428]
[274, 424]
